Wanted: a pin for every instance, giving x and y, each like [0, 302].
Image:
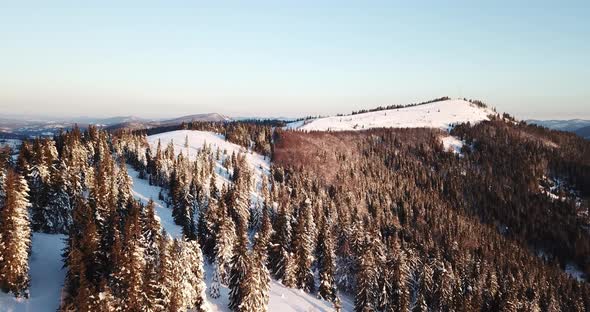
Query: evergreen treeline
[380, 108]
[255, 135]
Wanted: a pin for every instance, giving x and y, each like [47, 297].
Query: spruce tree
[326, 263]
[131, 271]
[280, 244]
[208, 227]
[151, 279]
[38, 194]
[59, 208]
[366, 293]
[240, 265]
[106, 300]
[86, 299]
[16, 236]
[303, 248]
[225, 244]
[260, 273]
[165, 274]
[214, 291]
[193, 260]
[177, 287]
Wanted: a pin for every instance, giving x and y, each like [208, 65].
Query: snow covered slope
[258, 163]
[47, 277]
[453, 144]
[143, 192]
[433, 115]
[281, 297]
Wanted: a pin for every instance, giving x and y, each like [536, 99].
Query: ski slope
[281, 298]
[440, 115]
[47, 277]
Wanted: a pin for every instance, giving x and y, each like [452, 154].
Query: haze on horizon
[163, 59]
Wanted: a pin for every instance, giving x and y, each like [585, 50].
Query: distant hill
[564, 125]
[197, 117]
[579, 126]
[584, 132]
[23, 127]
[142, 124]
[439, 114]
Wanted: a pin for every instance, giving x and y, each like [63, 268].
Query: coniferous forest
[387, 218]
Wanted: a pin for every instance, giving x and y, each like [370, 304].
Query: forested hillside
[484, 216]
[475, 231]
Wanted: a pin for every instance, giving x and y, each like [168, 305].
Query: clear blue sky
[291, 58]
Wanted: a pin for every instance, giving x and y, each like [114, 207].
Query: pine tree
[106, 300]
[266, 230]
[86, 299]
[2, 201]
[240, 200]
[326, 263]
[280, 246]
[152, 238]
[260, 284]
[15, 235]
[165, 275]
[176, 279]
[208, 227]
[90, 245]
[130, 271]
[444, 288]
[194, 258]
[215, 282]
[225, 245]
[303, 248]
[367, 290]
[239, 273]
[401, 276]
[59, 208]
[123, 185]
[39, 193]
[364, 298]
[421, 305]
[187, 286]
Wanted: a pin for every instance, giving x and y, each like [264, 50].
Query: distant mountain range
[580, 127]
[21, 127]
[143, 124]
[584, 132]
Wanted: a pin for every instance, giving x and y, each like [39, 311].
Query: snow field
[259, 164]
[453, 144]
[47, 277]
[440, 115]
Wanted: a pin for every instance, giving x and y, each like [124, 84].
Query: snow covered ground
[281, 297]
[574, 272]
[258, 163]
[453, 144]
[433, 115]
[47, 277]
[143, 192]
[14, 145]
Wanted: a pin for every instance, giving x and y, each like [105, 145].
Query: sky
[291, 58]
